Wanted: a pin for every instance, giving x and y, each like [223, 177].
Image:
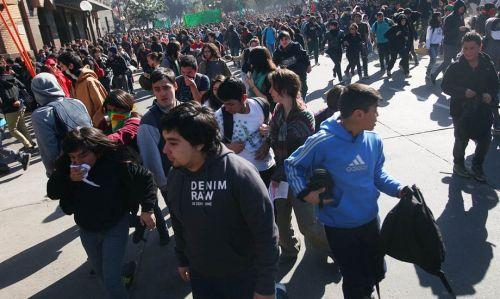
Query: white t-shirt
[246, 129]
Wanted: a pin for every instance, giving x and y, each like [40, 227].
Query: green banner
[162, 24]
[203, 17]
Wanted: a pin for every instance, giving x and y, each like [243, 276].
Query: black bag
[228, 120]
[410, 234]
[476, 119]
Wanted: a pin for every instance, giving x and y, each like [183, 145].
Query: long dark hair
[90, 139]
[261, 60]
[434, 22]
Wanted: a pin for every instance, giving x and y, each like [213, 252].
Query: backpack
[410, 234]
[228, 120]
[69, 114]
[476, 119]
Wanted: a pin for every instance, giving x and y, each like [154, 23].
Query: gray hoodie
[223, 220]
[47, 90]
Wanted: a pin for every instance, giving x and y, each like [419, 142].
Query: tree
[138, 13]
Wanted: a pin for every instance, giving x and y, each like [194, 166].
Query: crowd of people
[232, 155]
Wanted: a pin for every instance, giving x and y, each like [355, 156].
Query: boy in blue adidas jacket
[354, 159]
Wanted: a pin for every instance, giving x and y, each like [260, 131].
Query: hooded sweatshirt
[92, 93]
[46, 90]
[223, 220]
[356, 167]
[452, 35]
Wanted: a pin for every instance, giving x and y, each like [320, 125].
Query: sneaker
[24, 159]
[4, 168]
[128, 272]
[461, 171]
[478, 174]
[138, 234]
[389, 74]
[416, 63]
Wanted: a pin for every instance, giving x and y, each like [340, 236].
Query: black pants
[405, 56]
[266, 175]
[161, 225]
[241, 285]
[303, 83]
[313, 47]
[461, 142]
[353, 58]
[383, 54]
[337, 59]
[364, 58]
[357, 252]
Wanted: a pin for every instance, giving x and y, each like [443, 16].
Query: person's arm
[383, 181]
[199, 91]
[45, 133]
[148, 138]
[449, 84]
[143, 187]
[299, 162]
[428, 37]
[257, 211]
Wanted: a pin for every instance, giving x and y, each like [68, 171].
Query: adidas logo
[357, 164]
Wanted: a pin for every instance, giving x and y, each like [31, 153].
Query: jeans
[383, 54]
[353, 58]
[364, 58]
[6, 152]
[433, 54]
[356, 250]
[17, 127]
[309, 226]
[450, 52]
[303, 85]
[241, 285]
[235, 51]
[405, 56]
[461, 142]
[313, 47]
[106, 250]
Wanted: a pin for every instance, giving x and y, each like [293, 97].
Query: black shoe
[461, 171]
[128, 272]
[389, 74]
[4, 168]
[24, 159]
[138, 234]
[478, 174]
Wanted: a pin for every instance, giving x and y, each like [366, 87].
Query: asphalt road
[41, 255]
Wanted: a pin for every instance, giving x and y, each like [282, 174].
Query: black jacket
[452, 35]
[9, 93]
[123, 186]
[294, 57]
[399, 38]
[223, 220]
[334, 40]
[118, 64]
[460, 76]
[355, 42]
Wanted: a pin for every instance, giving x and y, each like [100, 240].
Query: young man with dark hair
[191, 85]
[226, 238]
[472, 83]
[379, 28]
[334, 38]
[151, 143]
[87, 87]
[353, 157]
[292, 56]
[239, 121]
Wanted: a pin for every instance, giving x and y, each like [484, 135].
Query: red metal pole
[22, 49]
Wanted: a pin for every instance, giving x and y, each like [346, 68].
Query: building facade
[55, 22]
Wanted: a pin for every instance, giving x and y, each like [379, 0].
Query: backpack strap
[445, 282]
[266, 108]
[228, 123]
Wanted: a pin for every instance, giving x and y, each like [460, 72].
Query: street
[41, 255]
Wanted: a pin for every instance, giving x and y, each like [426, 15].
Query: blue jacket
[356, 167]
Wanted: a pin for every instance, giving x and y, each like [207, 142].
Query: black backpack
[476, 119]
[410, 234]
[228, 120]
